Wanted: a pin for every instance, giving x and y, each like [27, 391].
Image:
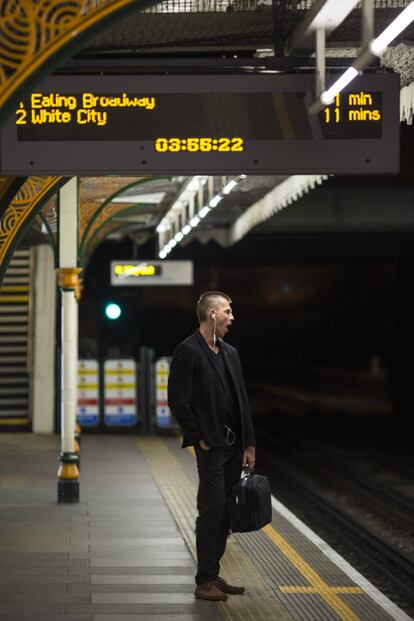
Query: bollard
[68, 474]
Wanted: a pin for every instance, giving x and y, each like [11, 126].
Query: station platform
[126, 551]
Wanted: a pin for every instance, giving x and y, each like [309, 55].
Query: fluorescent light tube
[215, 201]
[229, 187]
[204, 211]
[328, 96]
[400, 23]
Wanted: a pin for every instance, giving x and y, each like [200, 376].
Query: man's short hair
[206, 301]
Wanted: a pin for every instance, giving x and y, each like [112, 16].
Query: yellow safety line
[309, 589]
[119, 371]
[317, 584]
[87, 372]
[6, 299]
[13, 288]
[14, 421]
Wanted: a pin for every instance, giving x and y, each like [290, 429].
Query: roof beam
[323, 15]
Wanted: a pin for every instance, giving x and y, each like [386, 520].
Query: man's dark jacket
[195, 397]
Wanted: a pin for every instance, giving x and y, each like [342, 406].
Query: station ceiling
[179, 35]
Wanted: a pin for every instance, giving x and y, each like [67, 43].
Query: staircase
[15, 341]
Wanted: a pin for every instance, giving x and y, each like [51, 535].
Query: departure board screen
[202, 124]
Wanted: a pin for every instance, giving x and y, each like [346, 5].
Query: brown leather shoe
[210, 591]
[228, 588]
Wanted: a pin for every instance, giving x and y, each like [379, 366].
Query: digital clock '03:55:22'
[196, 144]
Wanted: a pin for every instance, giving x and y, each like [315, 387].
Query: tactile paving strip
[179, 491]
[306, 582]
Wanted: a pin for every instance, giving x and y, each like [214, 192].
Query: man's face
[224, 317]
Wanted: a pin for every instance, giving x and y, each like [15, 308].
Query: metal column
[68, 280]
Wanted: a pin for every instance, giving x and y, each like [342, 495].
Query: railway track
[385, 560]
[389, 504]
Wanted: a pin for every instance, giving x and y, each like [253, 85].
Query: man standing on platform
[207, 396]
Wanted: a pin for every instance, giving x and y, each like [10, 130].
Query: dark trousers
[218, 470]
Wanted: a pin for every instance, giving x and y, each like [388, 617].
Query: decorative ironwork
[22, 210]
[95, 215]
[96, 193]
[8, 188]
[35, 36]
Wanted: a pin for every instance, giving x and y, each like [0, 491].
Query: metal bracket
[320, 73]
[367, 33]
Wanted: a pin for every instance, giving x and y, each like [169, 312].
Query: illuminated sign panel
[217, 124]
[143, 273]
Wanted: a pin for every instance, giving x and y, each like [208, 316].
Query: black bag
[250, 505]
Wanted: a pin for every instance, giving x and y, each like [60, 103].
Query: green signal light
[113, 311]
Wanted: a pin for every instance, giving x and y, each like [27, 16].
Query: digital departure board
[211, 124]
[155, 273]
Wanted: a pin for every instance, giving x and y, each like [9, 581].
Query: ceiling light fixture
[230, 186]
[400, 23]
[204, 211]
[215, 201]
[192, 188]
[194, 222]
[327, 97]
[375, 47]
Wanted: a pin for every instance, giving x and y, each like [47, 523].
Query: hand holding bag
[250, 505]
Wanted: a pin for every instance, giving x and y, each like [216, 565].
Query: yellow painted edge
[6, 299]
[14, 421]
[330, 597]
[13, 288]
[119, 386]
[309, 589]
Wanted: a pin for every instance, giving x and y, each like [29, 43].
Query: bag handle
[247, 470]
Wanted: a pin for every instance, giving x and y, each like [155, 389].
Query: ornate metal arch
[94, 222]
[9, 186]
[99, 233]
[35, 37]
[21, 212]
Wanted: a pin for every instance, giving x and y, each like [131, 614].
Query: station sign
[202, 124]
[120, 392]
[155, 273]
[87, 413]
[162, 411]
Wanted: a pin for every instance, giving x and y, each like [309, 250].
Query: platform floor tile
[115, 556]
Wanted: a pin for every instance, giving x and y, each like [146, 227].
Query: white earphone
[214, 331]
